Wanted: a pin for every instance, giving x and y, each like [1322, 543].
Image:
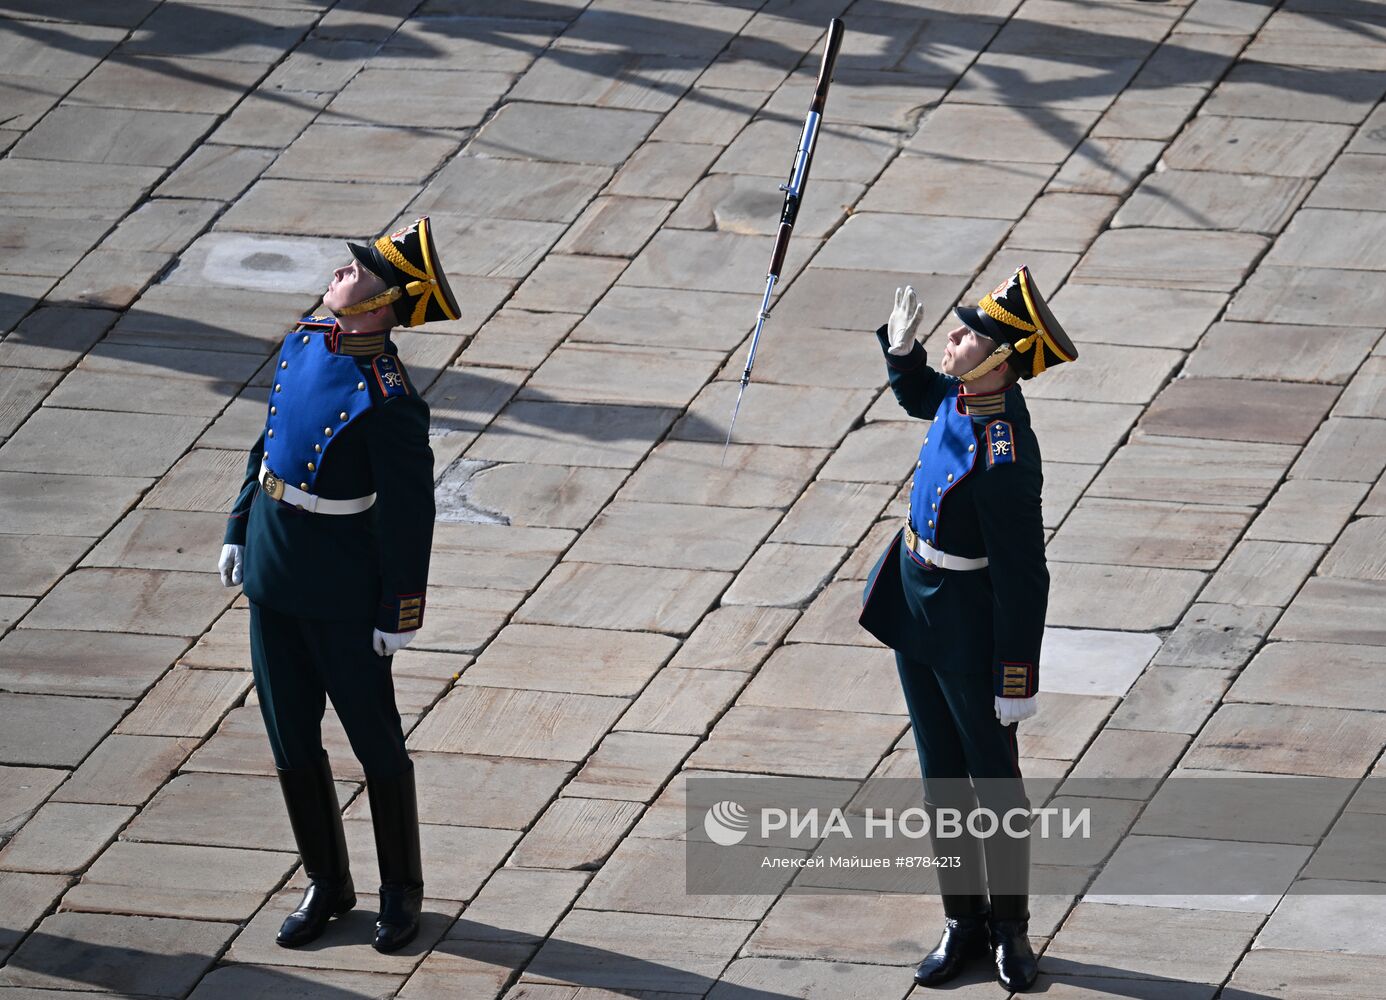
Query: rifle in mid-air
[793, 196]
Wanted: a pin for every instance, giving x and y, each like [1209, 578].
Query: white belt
[280, 490]
[934, 557]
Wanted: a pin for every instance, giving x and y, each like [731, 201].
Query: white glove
[1010, 710]
[390, 643]
[904, 320]
[231, 565]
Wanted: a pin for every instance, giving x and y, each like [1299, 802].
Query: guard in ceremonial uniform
[960, 595]
[330, 535]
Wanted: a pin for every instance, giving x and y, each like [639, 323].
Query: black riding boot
[964, 936]
[395, 816]
[963, 888]
[1016, 965]
[316, 819]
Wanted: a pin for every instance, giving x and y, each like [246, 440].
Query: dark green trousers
[968, 758]
[301, 662]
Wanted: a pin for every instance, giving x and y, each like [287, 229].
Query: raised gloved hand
[231, 565]
[1010, 710]
[390, 643]
[904, 320]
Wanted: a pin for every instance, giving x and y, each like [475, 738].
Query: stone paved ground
[1200, 181]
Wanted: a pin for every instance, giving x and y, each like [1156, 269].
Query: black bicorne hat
[1016, 314]
[407, 261]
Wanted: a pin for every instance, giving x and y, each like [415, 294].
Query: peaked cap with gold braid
[1016, 316]
[407, 261]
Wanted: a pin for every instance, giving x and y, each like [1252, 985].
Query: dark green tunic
[341, 426]
[976, 492]
[369, 566]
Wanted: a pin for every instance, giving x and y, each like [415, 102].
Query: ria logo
[726, 823]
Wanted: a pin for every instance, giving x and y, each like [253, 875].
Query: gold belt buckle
[273, 485]
[912, 540]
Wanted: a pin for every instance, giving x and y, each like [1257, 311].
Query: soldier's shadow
[465, 399]
[109, 967]
[577, 964]
[1113, 981]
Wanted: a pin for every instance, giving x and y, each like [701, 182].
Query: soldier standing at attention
[331, 532]
[960, 595]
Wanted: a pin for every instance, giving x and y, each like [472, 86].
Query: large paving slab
[30, 896]
[132, 600]
[597, 373]
[1334, 610]
[144, 956]
[1280, 352]
[558, 496]
[227, 982]
[639, 951]
[1141, 533]
[796, 416]
[126, 770]
[1256, 146]
[696, 472]
[186, 702]
[169, 880]
[819, 743]
[63, 837]
[800, 926]
[516, 723]
[23, 790]
[576, 834]
[1100, 938]
[673, 535]
[831, 678]
[1314, 975]
[1302, 295]
[109, 664]
[593, 595]
[1102, 311]
[1301, 910]
[1187, 199]
[1287, 740]
[55, 730]
[168, 84]
[108, 135]
[546, 192]
[1092, 661]
[708, 261]
[1200, 260]
[93, 442]
[219, 810]
[582, 661]
[557, 433]
[683, 701]
[1096, 595]
[918, 243]
[1204, 471]
[1260, 90]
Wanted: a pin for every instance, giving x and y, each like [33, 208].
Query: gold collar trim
[983, 404]
[358, 345]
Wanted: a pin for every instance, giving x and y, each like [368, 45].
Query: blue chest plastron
[947, 456]
[314, 396]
